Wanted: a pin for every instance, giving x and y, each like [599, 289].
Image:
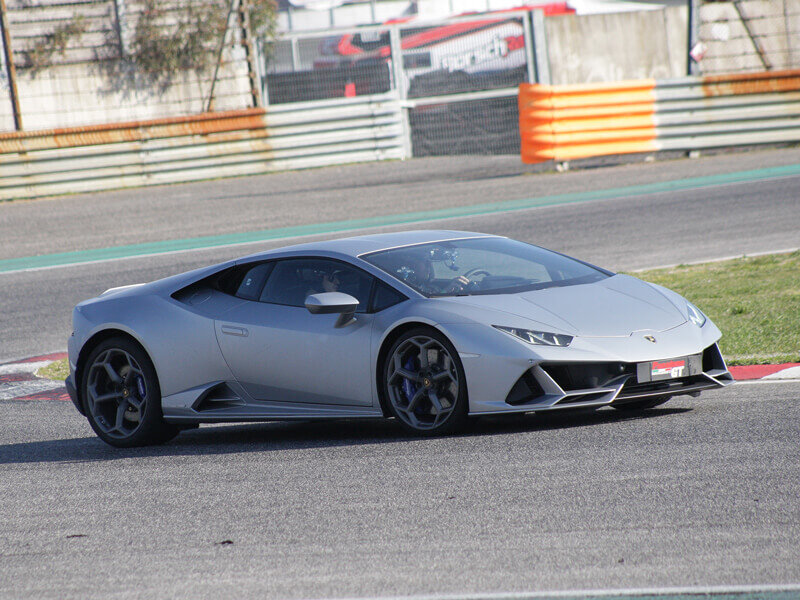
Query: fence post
[399, 76]
[692, 68]
[121, 12]
[530, 53]
[10, 69]
[247, 43]
[541, 55]
[220, 50]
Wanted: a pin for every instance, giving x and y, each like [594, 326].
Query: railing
[568, 122]
[242, 142]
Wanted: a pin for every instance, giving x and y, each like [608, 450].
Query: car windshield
[482, 266]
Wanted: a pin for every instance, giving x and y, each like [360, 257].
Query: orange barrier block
[568, 122]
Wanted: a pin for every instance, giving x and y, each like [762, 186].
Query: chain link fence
[457, 79]
[741, 36]
[71, 67]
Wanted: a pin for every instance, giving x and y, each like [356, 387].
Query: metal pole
[691, 37]
[756, 44]
[121, 11]
[210, 102]
[295, 55]
[789, 52]
[530, 54]
[247, 42]
[541, 55]
[10, 69]
[398, 73]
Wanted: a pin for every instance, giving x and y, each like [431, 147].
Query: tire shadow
[300, 435]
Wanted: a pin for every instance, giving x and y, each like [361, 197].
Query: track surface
[697, 492]
[700, 492]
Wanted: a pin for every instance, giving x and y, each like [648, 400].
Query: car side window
[385, 297]
[253, 281]
[293, 280]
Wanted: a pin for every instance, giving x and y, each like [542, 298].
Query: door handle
[231, 330]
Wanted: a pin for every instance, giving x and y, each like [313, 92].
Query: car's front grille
[586, 376]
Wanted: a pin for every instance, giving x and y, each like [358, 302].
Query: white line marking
[18, 389]
[665, 591]
[764, 381]
[29, 367]
[789, 373]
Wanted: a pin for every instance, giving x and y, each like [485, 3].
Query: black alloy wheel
[424, 383]
[121, 396]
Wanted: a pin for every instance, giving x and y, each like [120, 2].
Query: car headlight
[695, 316]
[539, 338]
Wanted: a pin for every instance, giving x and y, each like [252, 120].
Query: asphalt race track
[698, 492]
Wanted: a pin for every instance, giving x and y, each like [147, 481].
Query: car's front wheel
[424, 383]
[121, 395]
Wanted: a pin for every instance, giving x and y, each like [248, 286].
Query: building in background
[306, 15]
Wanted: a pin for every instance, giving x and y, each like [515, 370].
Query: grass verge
[754, 301]
[56, 371]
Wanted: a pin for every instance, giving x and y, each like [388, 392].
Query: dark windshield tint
[482, 266]
[292, 281]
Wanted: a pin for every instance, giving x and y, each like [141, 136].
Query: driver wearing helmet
[418, 272]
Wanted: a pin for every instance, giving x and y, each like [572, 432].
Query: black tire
[119, 383]
[439, 401]
[642, 404]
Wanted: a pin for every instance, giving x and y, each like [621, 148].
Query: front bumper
[73, 392]
[552, 386]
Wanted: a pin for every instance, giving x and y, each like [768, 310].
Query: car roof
[358, 245]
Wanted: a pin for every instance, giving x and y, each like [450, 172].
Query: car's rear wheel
[642, 404]
[121, 395]
[424, 383]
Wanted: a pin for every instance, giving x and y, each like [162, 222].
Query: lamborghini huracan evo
[427, 327]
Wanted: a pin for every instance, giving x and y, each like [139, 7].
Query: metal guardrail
[242, 142]
[568, 122]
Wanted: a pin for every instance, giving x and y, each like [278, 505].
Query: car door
[279, 351]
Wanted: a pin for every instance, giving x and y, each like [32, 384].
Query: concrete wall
[613, 47]
[81, 94]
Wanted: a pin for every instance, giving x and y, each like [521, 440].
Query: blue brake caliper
[409, 389]
[140, 387]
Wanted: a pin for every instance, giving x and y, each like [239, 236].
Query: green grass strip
[754, 301]
[264, 235]
[57, 370]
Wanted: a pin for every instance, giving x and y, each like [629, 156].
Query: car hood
[614, 307]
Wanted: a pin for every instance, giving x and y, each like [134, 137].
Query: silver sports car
[427, 327]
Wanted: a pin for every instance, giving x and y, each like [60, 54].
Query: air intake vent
[586, 376]
[527, 389]
[216, 397]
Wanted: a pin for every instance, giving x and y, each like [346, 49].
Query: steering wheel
[476, 271]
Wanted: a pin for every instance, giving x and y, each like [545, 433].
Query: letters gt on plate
[427, 327]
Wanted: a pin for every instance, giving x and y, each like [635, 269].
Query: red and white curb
[786, 371]
[18, 380]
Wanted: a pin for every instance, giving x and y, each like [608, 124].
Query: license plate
[673, 368]
[668, 369]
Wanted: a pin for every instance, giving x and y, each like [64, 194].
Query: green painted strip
[213, 241]
[761, 595]
[707, 595]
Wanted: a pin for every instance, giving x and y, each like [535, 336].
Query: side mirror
[328, 303]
